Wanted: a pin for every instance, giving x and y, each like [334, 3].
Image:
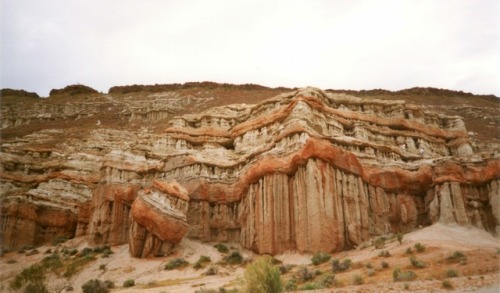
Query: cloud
[330, 44]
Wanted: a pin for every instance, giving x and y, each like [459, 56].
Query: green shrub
[379, 242]
[128, 283]
[176, 263]
[234, 258]
[457, 256]
[52, 261]
[406, 286]
[338, 266]
[59, 240]
[202, 262]
[357, 279]
[325, 281]
[419, 247]
[408, 251]
[447, 284]
[398, 275]
[36, 288]
[451, 273]
[262, 276]
[320, 257]
[417, 263]
[31, 275]
[95, 286]
[221, 248]
[85, 252]
[285, 268]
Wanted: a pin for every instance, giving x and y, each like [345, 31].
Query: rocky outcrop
[306, 170]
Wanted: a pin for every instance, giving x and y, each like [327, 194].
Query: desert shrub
[304, 274]
[85, 252]
[129, 283]
[408, 251]
[31, 275]
[370, 272]
[398, 275]
[234, 258]
[221, 248]
[285, 268]
[357, 279]
[338, 266]
[33, 252]
[205, 290]
[325, 281]
[36, 288]
[11, 261]
[175, 264]
[308, 286]
[102, 267]
[95, 286]
[212, 270]
[384, 253]
[73, 251]
[291, 285]
[59, 240]
[457, 256]
[406, 286]
[419, 247]
[368, 265]
[417, 263]
[320, 257]
[202, 262]
[447, 284]
[379, 243]
[399, 237]
[52, 261]
[109, 284]
[262, 276]
[451, 273]
[384, 264]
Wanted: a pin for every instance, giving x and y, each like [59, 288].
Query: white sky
[328, 44]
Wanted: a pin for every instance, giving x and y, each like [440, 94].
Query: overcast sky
[329, 44]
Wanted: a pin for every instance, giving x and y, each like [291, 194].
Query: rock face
[306, 170]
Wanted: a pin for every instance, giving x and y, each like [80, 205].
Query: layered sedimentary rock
[306, 170]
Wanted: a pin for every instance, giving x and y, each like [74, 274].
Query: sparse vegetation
[291, 285]
[457, 256]
[95, 286]
[59, 240]
[221, 248]
[320, 257]
[384, 264]
[326, 280]
[451, 273]
[417, 263]
[176, 263]
[370, 272]
[379, 243]
[384, 253]
[408, 251]
[447, 284]
[202, 262]
[262, 276]
[368, 265]
[304, 274]
[285, 268]
[398, 275]
[357, 279]
[129, 283]
[212, 270]
[338, 266]
[399, 237]
[419, 247]
[234, 258]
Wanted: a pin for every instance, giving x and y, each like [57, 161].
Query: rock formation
[305, 170]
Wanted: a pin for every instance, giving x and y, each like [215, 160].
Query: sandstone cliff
[305, 170]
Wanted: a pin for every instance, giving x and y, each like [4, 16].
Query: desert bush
[379, 243]
[33, 252]
[285, 268]
[320, 257]
[399, 237]
[457, 256]
[129, 283]
[212, 270]
[234, 258]
[370, 272]
[11, 261]
[85, 252]
[308, 286]
[447, 284]
[175, 264]
[262, 276]
[384, 264]
[398, 275]
[36, 288]
[102, 267]
[326, 280]
[408, 251]
[417, 263]
[357, 279]
[338, 266]
[304, 274]
[109, 284]
[451, 273]
[59, 240]
[291, 285]
[406, 286]
[419, 247]
[368, 265]
[384, 253]
[95, 286]
[221, 248]
[33, 274]
[202, 262]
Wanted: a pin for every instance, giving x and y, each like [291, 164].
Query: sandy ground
[480, 274]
